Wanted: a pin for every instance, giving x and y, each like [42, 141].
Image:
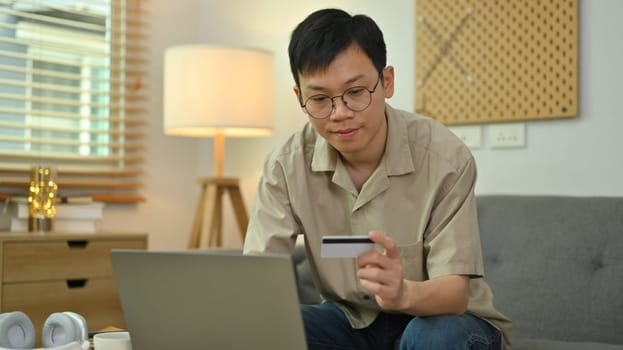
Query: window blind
[72, 82]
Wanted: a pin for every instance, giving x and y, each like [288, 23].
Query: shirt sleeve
[452, 239]
[272, 224]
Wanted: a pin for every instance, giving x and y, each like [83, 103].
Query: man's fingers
[391, 249]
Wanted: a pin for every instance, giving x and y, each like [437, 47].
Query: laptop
[208, 300]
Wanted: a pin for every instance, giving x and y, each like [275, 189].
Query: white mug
[112, 341]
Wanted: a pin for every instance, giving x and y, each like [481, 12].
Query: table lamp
[217, 91]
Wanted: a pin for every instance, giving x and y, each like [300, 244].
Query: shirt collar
[397, 158]
[325, 156]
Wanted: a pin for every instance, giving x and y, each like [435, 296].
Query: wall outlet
[471, 135]
[511, 135]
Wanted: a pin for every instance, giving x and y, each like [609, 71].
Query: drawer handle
[78, 244]
[77, 283]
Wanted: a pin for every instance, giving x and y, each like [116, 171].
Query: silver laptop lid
[208, 300]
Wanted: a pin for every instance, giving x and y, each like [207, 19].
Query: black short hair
[324, 34]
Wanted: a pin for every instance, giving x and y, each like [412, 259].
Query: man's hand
[381, 273]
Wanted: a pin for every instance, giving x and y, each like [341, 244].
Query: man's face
[353, 134]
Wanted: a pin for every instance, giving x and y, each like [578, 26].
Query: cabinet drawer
[97, 300]
[60, 259]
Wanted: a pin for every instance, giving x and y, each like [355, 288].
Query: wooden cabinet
[45, 273]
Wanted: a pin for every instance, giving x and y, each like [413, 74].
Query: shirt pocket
[413, 261]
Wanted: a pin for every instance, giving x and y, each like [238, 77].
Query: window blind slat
[53, 20]
[129, 134]
[74, 184]
[129, 121]
[99, 197]
[19, 170]
[65, 7]
[54, 46]
[57, 101]
[52, 87]
[63, 142]
[29, 56]
[71, 157]
[51, 74]
[132, 35]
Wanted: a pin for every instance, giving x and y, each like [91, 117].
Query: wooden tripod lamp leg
[217, 223]
[208, 223]
[211, 215]
[239, 209]
[195, 236]
[207, 228]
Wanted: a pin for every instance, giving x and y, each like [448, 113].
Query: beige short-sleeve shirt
[421, 194]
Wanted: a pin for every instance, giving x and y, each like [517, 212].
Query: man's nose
[340, 109]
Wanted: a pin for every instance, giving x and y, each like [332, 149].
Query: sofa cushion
[555, 265]
[540, 344]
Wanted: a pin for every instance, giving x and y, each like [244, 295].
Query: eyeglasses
[356, 98]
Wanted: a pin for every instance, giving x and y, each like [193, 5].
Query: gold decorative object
[41, 197]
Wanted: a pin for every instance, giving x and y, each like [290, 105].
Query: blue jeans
[326, 328]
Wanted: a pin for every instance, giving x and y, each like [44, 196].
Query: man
[361, 167]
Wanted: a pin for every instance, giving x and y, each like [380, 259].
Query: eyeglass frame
[304, 105]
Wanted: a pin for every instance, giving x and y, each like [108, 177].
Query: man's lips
[345, 132]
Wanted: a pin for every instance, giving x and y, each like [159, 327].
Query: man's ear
[297, 91]
[388, 81]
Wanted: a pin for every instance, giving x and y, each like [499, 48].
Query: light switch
[507, 135]
[471, 135]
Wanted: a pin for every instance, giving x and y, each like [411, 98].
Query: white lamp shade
[210, 90]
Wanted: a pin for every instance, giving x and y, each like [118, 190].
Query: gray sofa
[555, 265]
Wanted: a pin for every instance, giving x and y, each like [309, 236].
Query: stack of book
[72, 216]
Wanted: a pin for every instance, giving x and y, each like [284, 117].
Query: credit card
[345, 246]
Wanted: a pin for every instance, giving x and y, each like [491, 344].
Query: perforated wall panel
[481, 61]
